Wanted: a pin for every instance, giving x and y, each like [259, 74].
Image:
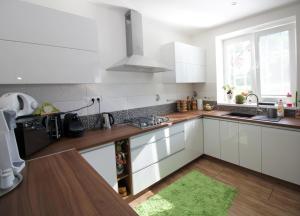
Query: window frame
[291, 28]
[288, 24]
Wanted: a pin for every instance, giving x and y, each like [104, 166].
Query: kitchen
[114, 132]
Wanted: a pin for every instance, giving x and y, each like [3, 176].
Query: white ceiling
[198, 13]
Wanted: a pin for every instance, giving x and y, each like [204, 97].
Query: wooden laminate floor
[257, 194]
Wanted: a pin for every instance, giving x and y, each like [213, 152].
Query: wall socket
[90, 99]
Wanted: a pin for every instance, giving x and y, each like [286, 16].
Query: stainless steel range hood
[135, 60]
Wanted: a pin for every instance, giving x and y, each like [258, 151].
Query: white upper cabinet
[188, 63]
[229, 139]
[250, 146]
[280, 154]
[39, 45]
[25, 22]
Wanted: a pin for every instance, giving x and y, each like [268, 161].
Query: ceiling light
[19, 78]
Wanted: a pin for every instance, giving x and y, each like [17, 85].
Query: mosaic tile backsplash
[94, 121]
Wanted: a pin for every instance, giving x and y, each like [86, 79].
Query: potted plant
[239, 99]
[229, 92]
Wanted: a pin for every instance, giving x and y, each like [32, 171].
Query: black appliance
[73, 126]
[32, 135]
[53, 124]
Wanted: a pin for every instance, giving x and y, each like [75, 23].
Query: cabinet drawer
[152, 174]
[150, 153]
[156, 135]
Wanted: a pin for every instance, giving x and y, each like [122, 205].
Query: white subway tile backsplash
[65, 106]
[115, 97]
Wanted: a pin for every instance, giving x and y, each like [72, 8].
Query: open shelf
[123, 167]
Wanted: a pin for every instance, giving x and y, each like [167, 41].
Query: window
[262, 62]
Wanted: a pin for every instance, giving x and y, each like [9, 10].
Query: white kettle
[21, 103]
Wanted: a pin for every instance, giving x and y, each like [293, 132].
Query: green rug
[193, 194]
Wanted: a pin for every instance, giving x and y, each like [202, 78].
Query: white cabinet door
[30, 23]
[229, 140]
[281, 154]
[103, 160]
[46, 64]
[188, 61]
[193, 131]
[211, 138]
[250, 146]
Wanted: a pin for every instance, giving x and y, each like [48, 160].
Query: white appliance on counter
[12, 105]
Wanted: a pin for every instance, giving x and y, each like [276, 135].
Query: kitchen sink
[240, 114]
[254, 117]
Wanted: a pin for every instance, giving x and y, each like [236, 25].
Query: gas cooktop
[148, 121]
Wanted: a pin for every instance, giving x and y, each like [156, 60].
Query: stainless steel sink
[266, 118]
[240, 114]
[254, 117]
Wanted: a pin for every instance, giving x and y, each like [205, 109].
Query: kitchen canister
[200, 104]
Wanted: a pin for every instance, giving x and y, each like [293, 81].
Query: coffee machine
[12, 105]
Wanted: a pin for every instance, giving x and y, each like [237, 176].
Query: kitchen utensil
[108, 120]
[208, 107]
[200, 104]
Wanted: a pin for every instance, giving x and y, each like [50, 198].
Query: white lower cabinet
[159, 153]
[193, 133]
[250, 146]
[281, 154]
[229, 141]
[152, 174]
[211, 138]
[150, 153]
[102, 159]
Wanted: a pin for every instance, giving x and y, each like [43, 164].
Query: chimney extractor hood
[135, 60]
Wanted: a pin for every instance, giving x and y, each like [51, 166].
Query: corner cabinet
[103, 160]
[193, 133]
[188, 63]
[281, 154]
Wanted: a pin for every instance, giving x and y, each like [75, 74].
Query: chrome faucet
[257, 102]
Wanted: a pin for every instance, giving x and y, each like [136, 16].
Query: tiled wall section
[115, 97]
[92, 121]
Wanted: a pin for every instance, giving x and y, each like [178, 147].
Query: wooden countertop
[99, 137]
[60, 185]
[65, 184]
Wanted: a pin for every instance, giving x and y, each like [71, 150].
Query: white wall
[207, 40]
[119, 90]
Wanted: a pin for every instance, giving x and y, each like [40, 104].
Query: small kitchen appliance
[73, 126]
[21, 103]
[148, 121]
[53, 125]
[12, 105]
[32, 135]
[108, 120]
